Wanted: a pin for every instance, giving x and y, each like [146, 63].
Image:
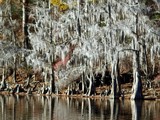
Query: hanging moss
[121, 16]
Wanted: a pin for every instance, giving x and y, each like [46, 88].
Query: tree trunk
[68, 90]
[137, 84]
[83, 86]
[52, 81]
[90, 85]
[116, 88]
[28, 81]
[25, 11]
[3, 82]
[52, 77]
[15, 69]
[115, 91]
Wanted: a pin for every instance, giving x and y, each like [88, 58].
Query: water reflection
[136, 107]
[114, 106]
[16, 107]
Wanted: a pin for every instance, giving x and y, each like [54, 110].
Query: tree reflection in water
[114, 106]
[136, 107]
[14, 107]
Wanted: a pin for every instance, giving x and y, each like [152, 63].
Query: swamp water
[16, 107]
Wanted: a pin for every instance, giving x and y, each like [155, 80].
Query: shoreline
[126, 97]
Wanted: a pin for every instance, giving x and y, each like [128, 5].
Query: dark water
[62, 108]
